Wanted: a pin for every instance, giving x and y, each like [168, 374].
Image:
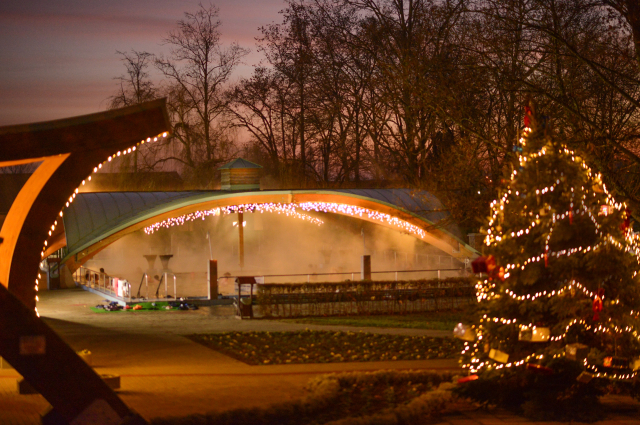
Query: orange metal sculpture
[69, 149]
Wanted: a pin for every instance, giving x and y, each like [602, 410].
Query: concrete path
[164, 374]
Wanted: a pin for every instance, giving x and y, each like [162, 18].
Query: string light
[580, 204]
[73, 196]
[291, 209]
[286, 209]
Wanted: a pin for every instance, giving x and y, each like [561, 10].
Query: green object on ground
[146, 306]
[262, 348]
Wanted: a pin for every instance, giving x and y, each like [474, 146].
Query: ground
[164, 374]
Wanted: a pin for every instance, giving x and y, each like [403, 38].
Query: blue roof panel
[94, 216]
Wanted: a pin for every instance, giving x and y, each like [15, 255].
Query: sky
[58, 57]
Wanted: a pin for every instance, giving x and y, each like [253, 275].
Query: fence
[102, 282]
[361, 298]
[341, 277]
[121, 288]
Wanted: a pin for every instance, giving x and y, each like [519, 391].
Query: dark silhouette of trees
[196, 71]
[420, 93]
[135, 86]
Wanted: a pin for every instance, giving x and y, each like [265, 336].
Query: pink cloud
[58, 56]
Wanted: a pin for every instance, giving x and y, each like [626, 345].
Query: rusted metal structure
[68, 150]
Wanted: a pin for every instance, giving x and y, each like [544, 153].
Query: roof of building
[239, 163]
[93, 216]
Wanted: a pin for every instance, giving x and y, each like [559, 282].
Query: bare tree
[135, 86]
[287, 47]
[260, 105]
[197, 70]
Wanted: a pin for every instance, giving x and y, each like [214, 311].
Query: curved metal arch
[434, 235]
[68, 149]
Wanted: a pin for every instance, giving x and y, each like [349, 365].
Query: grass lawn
[259, 348]
[444, 321]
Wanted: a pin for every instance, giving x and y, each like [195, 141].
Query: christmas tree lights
[77, 189]
[563, 268]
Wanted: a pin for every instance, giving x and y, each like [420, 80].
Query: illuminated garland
[291, 210]
[485, 290]
[75, 192]
[277, 208]
[353, 211]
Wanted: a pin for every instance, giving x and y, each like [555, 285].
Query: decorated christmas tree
[559, 283]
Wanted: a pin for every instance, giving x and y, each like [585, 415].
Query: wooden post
[365, 273]
[239, 310]
[241, 239]
[213, 279]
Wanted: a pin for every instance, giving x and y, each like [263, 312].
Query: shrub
[557, 396]
[340, 398]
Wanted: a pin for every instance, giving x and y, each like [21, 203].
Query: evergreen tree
[561, 267]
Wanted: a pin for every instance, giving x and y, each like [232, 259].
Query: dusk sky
[58, 57]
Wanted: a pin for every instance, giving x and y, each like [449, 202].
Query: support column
[365, 273]
[241, 239]
[213, 279]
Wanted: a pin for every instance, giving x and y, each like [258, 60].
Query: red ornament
[484, 264]
[527, 116]
[626, 224]
[540, 369]
[598, 304]
[571, 217]
[467, 379]
[501, 274]
[546, 259]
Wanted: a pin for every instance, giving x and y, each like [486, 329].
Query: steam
[273, 244]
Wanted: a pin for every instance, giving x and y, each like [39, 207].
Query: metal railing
[165, 278]
[102, 282]
[352, 274]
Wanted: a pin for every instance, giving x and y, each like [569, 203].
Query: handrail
[145, 278]
[160, 283]
[82, 270]
[346, 273]
[165, 285]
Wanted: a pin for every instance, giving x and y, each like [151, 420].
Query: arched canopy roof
[94, 220]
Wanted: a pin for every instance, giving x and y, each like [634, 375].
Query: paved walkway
[164, 374]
